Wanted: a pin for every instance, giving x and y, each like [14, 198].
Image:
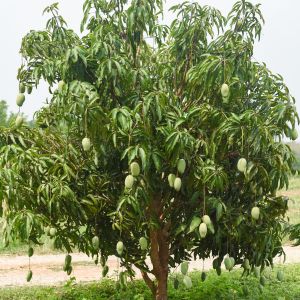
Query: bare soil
[47, 269]
[291, 193]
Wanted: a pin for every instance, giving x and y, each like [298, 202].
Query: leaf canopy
[151, 105]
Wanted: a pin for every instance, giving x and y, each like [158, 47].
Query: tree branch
[149, 282]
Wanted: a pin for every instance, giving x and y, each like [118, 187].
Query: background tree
[3, 113]
[173, 151]
[5, 118]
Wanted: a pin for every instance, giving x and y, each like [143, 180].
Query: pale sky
[279, 47]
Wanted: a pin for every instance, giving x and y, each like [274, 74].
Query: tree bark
[162, 287]
[159, 252]
[159, 291]
[149, 282]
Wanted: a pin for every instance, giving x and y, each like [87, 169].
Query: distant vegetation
[296, 149]
[5, 117]
[8, 118]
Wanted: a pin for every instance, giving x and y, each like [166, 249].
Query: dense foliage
[186, 110]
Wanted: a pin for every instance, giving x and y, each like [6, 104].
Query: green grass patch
[293, 192]
[294, 183]
[227, 286]
[293, 213]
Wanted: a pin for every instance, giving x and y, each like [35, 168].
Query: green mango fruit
[86, 144]
[19, 121]
[52, 231]
[176, 283]
[29, 89]
[177, 184]
[256, 272]
[102, 261]
[211, 228]
[120, 248]
[171, 179]
[181, 165]
[22, 88]
[184, 267]
[203, 276]
[187, 281]
[280, 275]
[129, 181]
[224, 90]
[294, 134]
[20, 99]
[203, 230]
[29, 276]
[262, 280]
[143, 243]
[61, 84]
[255, 213]
[30, 251]
[206, 219]
[135, 169]
[68, 260]
[216, 263]
[96, 242]
[196, 221]
[242, 165]
[69, 270]
[232, 262]
[229, 263]
[105, 271]
[246, 264]
[219, 211]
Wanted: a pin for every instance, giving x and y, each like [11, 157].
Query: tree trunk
[159, 253]
[162, 288]
[159, 290]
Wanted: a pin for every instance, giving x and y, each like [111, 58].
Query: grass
[227, 286]
[293, 193]
[294, 210]
[294, 183]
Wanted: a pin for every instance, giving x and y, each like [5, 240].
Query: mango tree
[156, 141]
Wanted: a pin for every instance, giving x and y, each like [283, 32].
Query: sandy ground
[47, 269]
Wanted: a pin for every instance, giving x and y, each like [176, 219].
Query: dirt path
[47, 269]
[290, 193]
